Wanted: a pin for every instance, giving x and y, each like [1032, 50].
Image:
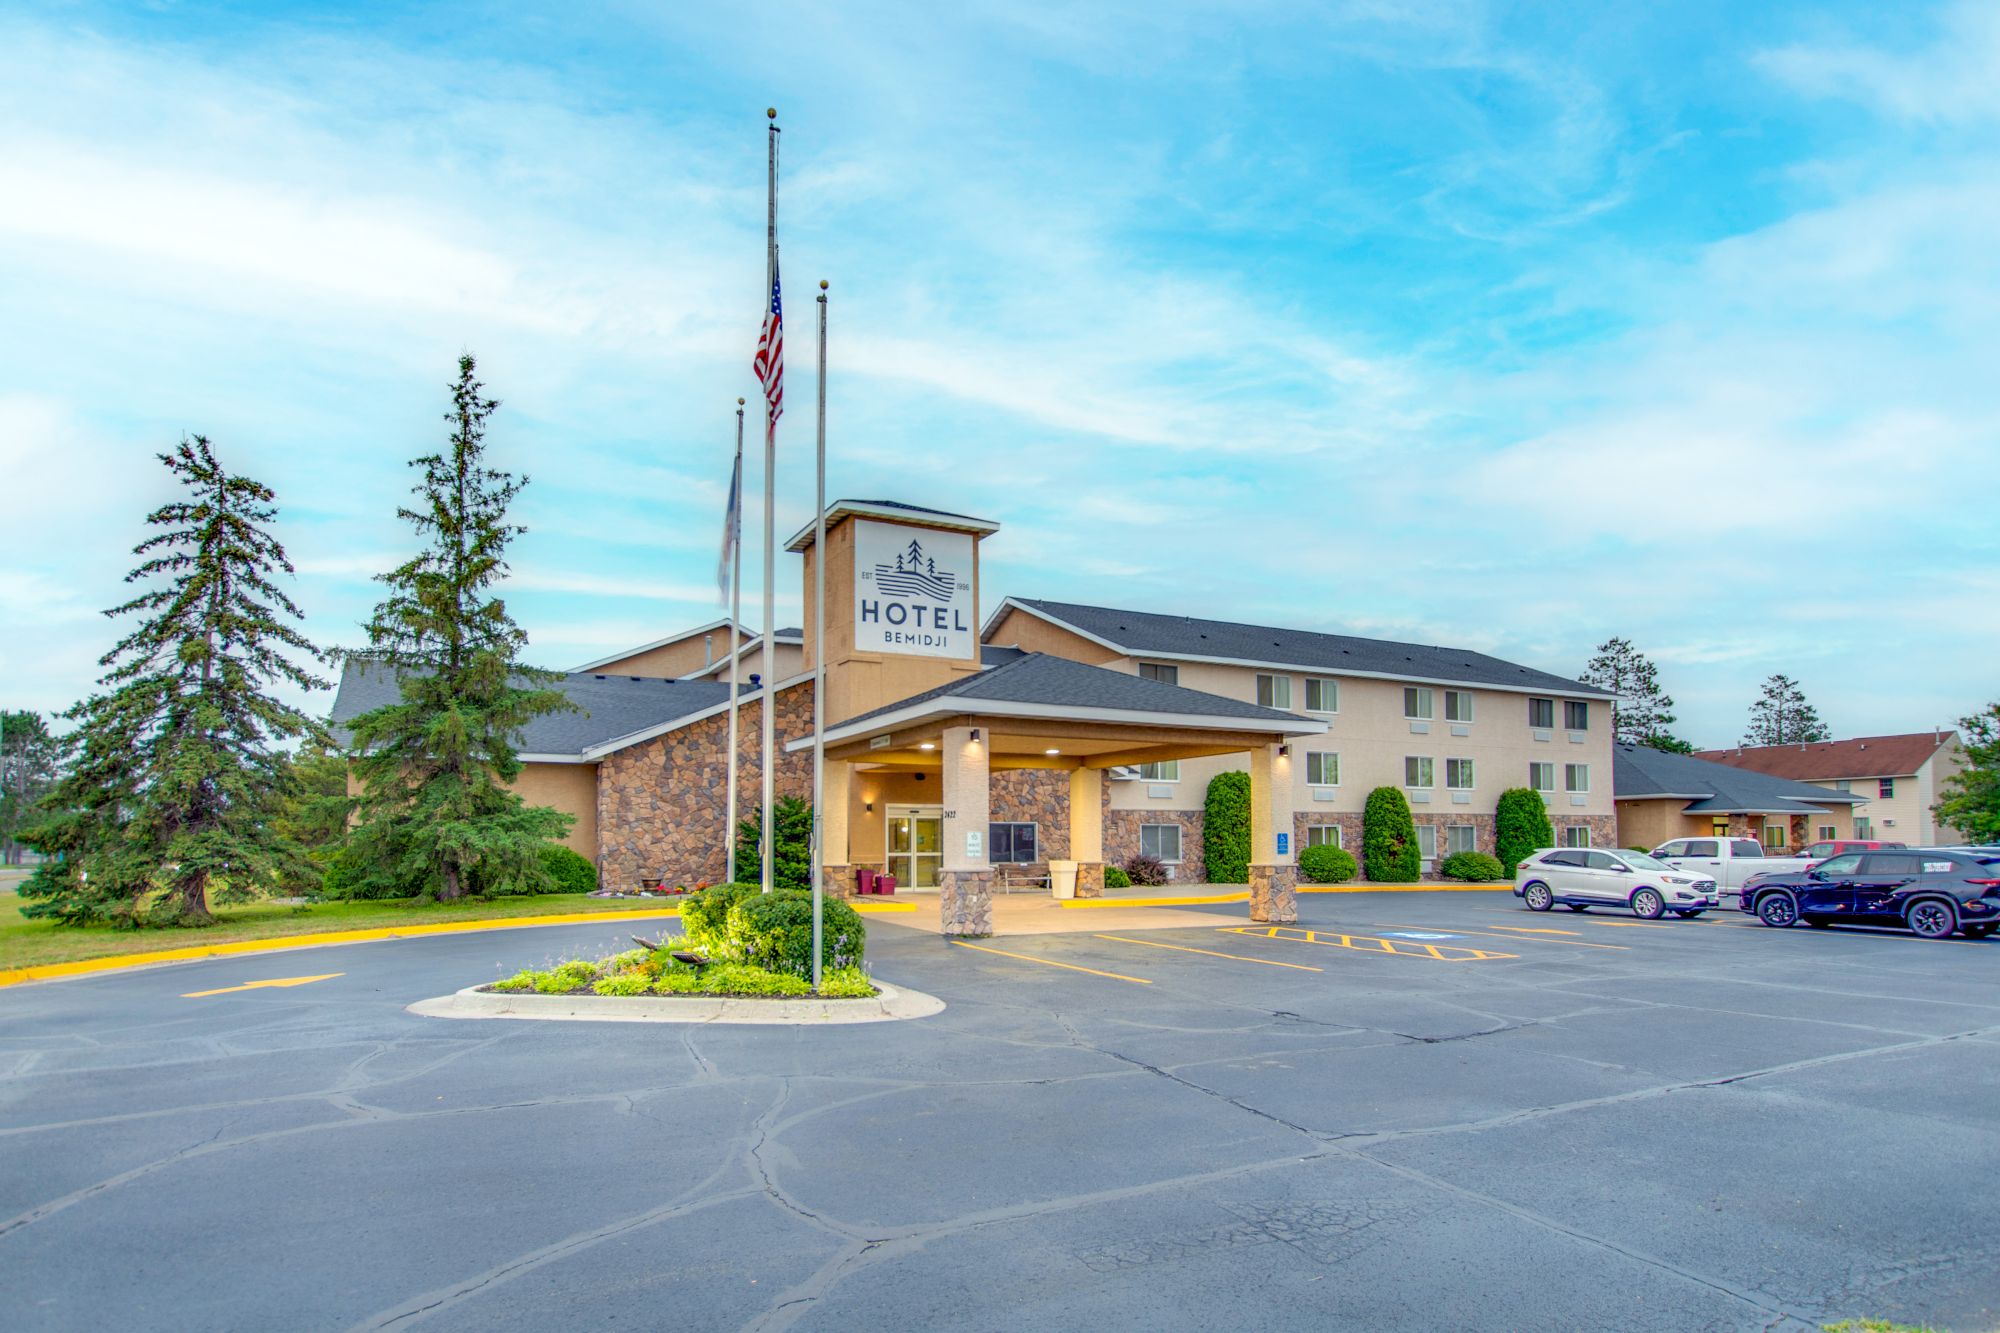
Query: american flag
[769, 362]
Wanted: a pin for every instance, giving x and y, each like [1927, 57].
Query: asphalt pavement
[1412, 1111]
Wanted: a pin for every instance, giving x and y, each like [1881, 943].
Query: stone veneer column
[965, 877]
[836, 875]
[1273, 876]
[1086, 830]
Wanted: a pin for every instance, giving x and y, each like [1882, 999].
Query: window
[1576, 715]
[1565, 859]
[1458, 774]
[1416, 701]
[1162, 842]
[1678, 847]
[1460, 838]
[1274, 691]
[1427, 841]
[1864, 828]
[1542, 713]
[1458, 705]
[1322, 768]
[1774, 836]
[1417, 772]
[1576, 777]
[1164, 672]
[1843, 785]
[1745, 847]
[1322, 835]
[1707, 847]
[1010, 844]
[1886, 788]
[1827, 833]
[1576, 835]
[1840, 865]
[1896, 865]
[1602, 861]
[1166, 771]
[1322, 695]
[1542, 777]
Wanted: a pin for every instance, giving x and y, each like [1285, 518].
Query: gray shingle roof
[1641, 773]
[1146, 633]
[611, 706]
[1037, 678]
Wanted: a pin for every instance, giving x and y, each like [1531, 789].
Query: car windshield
[1641, 861]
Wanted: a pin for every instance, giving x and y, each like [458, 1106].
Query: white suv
[1580, 877]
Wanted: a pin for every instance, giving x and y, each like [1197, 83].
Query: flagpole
[735, 521]
[769, 709]
[819, 656]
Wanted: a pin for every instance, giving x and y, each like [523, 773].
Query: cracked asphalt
[1681, 1126]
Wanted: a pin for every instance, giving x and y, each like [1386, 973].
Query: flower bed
[658, 972]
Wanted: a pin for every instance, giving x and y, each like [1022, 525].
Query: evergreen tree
[1641, 711]
[1783, 717]
[791, 845]
[435, 815]
[1672, 744]
[1389, 850]
[29, 755]
[314, 813]
[1971, 799]
[1225, 829]
[172, 777]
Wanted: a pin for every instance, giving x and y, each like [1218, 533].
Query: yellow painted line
[1403, 888]
[1050, 962]
[881, 907]
[1538, 930]
[1633, 925]
[1461, 930]
[1186, 901]
[1446, 953]
[1241, 958]
[14, 976]
[260, 985]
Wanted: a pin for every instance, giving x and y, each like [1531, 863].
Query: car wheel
[1777, 909]
[1978, 932]
[1648, 904]
[1688, 915]
[1932, 918]
[1539, 897]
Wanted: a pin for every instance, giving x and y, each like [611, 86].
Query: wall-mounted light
[1284, 752]
[975, 733]
[869, 806]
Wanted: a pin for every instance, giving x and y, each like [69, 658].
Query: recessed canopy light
[926, 746]
[1052, 752]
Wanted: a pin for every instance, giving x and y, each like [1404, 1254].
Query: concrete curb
[893, 1003]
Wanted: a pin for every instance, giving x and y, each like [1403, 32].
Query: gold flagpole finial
[822, 284]
[770, 113]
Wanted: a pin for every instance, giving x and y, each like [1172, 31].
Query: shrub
[1389, 852]
[563, 979]
[705, 916]
[1520, 827]
[731, 979]
[791, 859]
[520, 981]
[1326, 864]
[625, 983]
[1225, 829]
[1114, 878]
[845, 983]
[774, 931]
[1146, 870]
[568, 870]
[1472, 866]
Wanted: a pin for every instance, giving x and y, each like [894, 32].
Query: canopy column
[837, 793]
[1086, 830]
[965, 876]
[1273, 874]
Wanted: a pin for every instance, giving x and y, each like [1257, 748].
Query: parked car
[1933, 893]
[1730, 862]
[1579, 878]
[1819, 851]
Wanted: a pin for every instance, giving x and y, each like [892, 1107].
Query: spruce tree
[172, 777]
[435, 814]
[1783, 717]
[1642, 711]
[29, 753]
[1970, 800]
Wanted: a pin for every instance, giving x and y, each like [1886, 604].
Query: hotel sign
[913, 591]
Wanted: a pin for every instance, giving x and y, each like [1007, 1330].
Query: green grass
[25, 943]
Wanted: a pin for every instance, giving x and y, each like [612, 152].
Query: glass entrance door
[916, 847]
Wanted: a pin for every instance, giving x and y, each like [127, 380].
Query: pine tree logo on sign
[912, 593]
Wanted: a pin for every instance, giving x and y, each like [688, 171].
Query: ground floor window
[1460, 838]
[1427, 842]
[1162, 842]
[1774, 835]
[1011, 844]
[1323, 835]
[1827, 833]
[1576, 835]
[1864, 828]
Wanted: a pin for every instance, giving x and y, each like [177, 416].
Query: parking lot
[1409, 1111]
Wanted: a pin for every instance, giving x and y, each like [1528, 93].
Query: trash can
[864, 880]
[1062, 878]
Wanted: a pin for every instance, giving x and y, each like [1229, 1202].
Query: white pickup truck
[1727, 861]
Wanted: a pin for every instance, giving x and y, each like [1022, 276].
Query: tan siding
[1019, 629]
[670, 661]
[570, 788]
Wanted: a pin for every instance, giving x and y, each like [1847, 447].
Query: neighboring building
[1662, 796]
[702, 653]
[1897, 781]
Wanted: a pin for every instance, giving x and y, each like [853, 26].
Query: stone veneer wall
[1037, 796]
[1121, 838]
[1603, 828]
[661, 805]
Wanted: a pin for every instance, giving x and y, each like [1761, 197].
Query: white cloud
[1950, 81]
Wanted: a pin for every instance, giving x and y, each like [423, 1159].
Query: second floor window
[1542, 713]
[1274, 691]
[1886, 788]
[1458, 705]
[1164, 672]
[1542, 777]
[1168, 771]
[1458, 774]
[1417, 772]
[1416, 701]
[1322, 768]
[1576, 715]
[1322, 695]
[1576, 777]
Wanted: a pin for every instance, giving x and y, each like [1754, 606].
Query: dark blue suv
[1934, 893]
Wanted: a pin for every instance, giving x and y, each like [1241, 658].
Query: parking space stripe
[1334, 939]
[1517, 939]
[1241, 958]
[1050, 962]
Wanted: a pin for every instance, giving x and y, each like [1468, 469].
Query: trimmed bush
[1471, 865]
[1114, 878]
[1326, 864]
[569, 871]
[1389, 852]
[731, 979]
[1520, 827]
[791, 861]
[774, 931]
[625, 983]
[846, 983]
[520, 981]
[1225, 829]
[1148, 871]
[705, 917]
[565, 978]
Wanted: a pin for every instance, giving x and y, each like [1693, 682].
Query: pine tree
[1641, 711]
[435, 814]
[1971, 798]
[29, 754]
[1783, 717]
[172, 776]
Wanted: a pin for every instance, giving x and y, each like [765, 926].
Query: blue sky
[1505, 327]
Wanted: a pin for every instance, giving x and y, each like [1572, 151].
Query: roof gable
[1642, 773]
[1862, 757]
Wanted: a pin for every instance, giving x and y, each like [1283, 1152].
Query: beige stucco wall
[670, 661]
[789, 658]
[570, 788]
[1018, 629]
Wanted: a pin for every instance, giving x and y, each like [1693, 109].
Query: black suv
[1934, 893]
